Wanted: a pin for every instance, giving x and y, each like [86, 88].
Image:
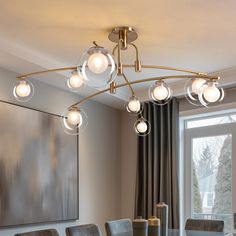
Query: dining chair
[204, 225]
[83, 230]
[121, 227]
[45, 232]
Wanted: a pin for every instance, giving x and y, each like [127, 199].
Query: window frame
[199, 132]
[204, 117]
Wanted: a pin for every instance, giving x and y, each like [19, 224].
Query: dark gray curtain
[157, 169]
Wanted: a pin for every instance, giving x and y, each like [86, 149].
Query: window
[215, 120]
[210, 199]
[210, 145]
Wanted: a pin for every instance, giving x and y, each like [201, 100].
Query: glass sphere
[23, 90]
[75, 81]
[197, 85]
[74, 120]
[98, 67]
[193, 87]
[134, 106]
[142, 127]
[211, 93]
[160, 93]
[74, 117]
[97, 63]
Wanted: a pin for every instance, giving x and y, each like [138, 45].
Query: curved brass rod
[125, 65]
[167, 68]
[136, 50]
[47, 71]
[137, 62]
[114, 49]
[120, 66]
[146, 80]
[128, 82]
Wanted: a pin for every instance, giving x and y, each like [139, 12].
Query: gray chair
[204, 225]
[119, 227]
[45, 232]
[83, 230]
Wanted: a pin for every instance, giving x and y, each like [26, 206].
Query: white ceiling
[193, 34]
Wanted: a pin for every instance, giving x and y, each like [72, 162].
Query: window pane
[224, 119]
[212, 179]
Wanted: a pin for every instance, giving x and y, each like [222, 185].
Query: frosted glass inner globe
[23, 89]
[74, 118]
[134, 105]
[142, 127]
[197, 85]
[75, 81]
[211, 93]
[97, 63]
[160, 93]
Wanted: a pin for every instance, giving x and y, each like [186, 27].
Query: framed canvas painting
[38, 168]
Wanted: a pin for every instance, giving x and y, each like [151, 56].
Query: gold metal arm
[125, 66]
[146, 80]
[137, 63]
[114, 49]
[119, 66]
[128, 83]
[47, 71]
[167, 68]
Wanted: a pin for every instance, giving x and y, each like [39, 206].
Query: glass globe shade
[142, 127]
[98, 67]
[134, 105]
[193, 89]
[197, 85]
[211, 93]
[74, 117]
[74, 120]
[75, 81]
[23, 89]
[97, 63]
[160, 92]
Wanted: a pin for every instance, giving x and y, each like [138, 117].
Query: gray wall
[99, 154]
[128, 164]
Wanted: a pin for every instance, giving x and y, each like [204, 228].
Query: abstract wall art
[38, 168]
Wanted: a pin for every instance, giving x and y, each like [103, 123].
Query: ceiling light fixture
[99, 68]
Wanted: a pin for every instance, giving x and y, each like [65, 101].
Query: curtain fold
[157, 168]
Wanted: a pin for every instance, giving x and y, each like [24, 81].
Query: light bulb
[142, 127]
[160, 92]
[98, 63]
[74, 117]
[211, 93]
[23, 89]
[197, 85]
[75, 80]
[134, 105]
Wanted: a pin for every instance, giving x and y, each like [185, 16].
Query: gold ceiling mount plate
[126, 34]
